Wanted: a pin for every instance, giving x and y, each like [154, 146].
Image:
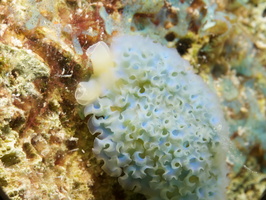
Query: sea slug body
[162, 130]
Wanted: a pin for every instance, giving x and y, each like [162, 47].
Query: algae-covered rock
[35, 159]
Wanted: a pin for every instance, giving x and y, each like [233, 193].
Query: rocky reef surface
[45, 146]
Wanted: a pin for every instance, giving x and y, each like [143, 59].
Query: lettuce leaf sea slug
[162, 131]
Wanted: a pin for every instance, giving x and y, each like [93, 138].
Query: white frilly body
[162, 130]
